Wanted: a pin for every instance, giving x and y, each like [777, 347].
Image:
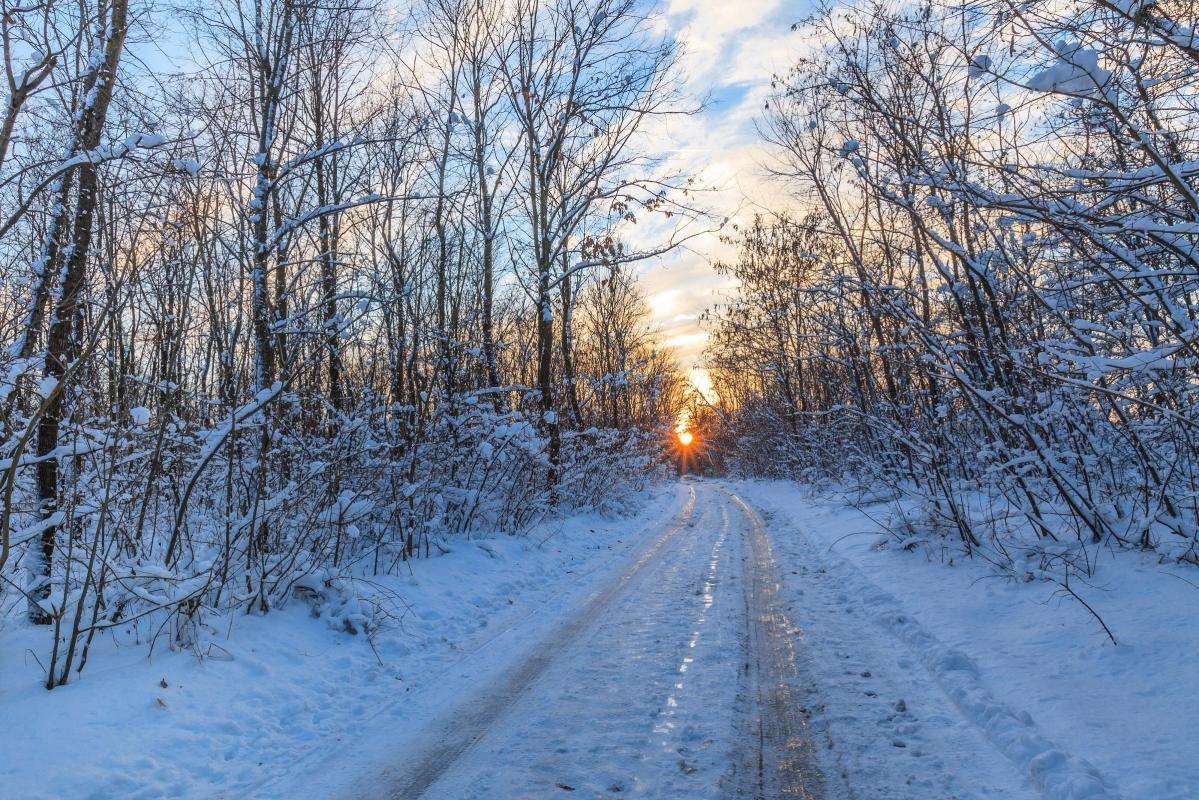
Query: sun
[685, 438]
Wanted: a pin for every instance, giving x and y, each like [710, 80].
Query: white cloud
[733, 50]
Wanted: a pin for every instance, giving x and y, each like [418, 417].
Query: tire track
[470, 722]
[778, 759]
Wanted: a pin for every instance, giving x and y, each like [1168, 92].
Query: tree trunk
[545, 378]
[567, 333]
[97, 89]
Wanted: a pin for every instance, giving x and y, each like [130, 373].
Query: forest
[659, 399]
[986, 302]
[309, 285]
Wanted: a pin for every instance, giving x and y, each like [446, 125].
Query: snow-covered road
[673, 680]
[691, 672]
[730, 658]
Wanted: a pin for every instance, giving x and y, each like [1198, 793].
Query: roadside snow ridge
[1061, 775]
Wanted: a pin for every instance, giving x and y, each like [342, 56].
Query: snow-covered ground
[637, 701]
[940, 681]
[610, 658]
[285, 690]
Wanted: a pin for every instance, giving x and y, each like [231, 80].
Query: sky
[732, 48]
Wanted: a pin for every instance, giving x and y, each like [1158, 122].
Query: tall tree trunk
[545, 377]
[567, 334]
[487, 223]
[97, 93]
[327, 235]
[439, 224]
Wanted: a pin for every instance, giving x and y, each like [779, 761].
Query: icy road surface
[727, 657]
[674, 680]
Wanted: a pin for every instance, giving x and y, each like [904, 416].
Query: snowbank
[287, 690]
[1079, 718]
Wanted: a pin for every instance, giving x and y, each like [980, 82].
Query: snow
[188, 165]
[638, 702]
[263, 694]
[980, 65]
[1076, 71]
[1024, 669]
[921, 679]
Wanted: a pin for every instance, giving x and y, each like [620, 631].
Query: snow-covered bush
[302, 311]
[990, 316]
